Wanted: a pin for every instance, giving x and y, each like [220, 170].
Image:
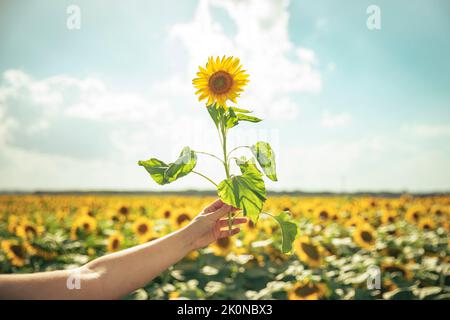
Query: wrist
[187, 239]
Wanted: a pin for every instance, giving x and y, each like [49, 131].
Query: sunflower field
[340, 242]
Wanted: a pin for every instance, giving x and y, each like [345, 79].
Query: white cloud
[335, 120]
[374, 163]
[61, 128]
[429, 131]
[307, 55]
[262, 42]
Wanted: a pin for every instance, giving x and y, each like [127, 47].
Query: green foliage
[164, 173]
[246, 191]
[288, 230]
[266, 159]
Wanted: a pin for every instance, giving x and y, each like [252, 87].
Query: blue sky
[346, 108]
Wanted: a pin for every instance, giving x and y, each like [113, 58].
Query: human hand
[210, 225]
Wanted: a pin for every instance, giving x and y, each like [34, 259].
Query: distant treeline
[384, 194]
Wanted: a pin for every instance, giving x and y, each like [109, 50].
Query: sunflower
[27, 231]
[115, 241]
[307, 290]
[308, 252]
[413, 214]
[427, 224]
[15, 252]
[124, 211]
[364, 236]
[221, 80]
[13, 223]
[181, 217]
[323, 214]
[353, 222]
[142, 227]
[164, 212]
[34, 250]
[388, 217]
[84, 224]
[222, 246]
[396, 268]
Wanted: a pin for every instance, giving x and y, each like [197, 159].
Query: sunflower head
[83, 225]
[15, 252]
[222, 246]
[364, 236]
[427, 224]
[115, 241]
[220, 80]
[307, 290]
[142, 226]
[308, 252]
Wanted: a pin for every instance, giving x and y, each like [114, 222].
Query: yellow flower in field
[85, 224]
[15, 252]
[353, 221]
[397, 268]
[307, 290]
[13, 223]
[223, 246]
[164, 212]
[438, 211]
[221, 80]
[193, 255]
[142, 226]
[115, 241]
[364, 236]
[181, 217]
[427, 224]
[414, 214]
[91, 252]
[388, 217]
[123, 211]
[308, 252]
[174, 295]
[28, 231]
[323, 214]
[150, 236]
[38, 251]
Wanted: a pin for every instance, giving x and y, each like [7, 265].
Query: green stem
[202, 175]
[236, 149]
[225, 162]
[209, 154]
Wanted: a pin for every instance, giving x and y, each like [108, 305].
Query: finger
[228, 233]
[219, 213]
[224, 222]
[213, 206]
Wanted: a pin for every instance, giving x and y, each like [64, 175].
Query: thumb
[219, 213]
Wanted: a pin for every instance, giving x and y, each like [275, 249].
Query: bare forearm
[124, 271]
[117, 274]
[108, 277]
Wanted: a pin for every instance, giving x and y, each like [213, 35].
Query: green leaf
[236, 110]
[231, 119]
[156, 168]
[163, 173]
[288, 230]
[246, 191]
[266, 159]
[245, 117]
[234, 115]
[215, 112]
